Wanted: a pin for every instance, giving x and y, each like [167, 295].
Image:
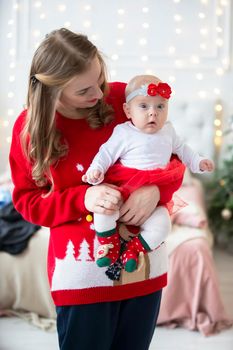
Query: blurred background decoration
[189, 44]
[186, 43]
[220, 198]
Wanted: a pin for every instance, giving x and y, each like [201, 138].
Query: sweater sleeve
[59, 207]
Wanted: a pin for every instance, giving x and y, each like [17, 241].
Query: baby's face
[147, 113]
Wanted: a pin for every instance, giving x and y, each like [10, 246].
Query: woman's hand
[103, 199]
[140, 205]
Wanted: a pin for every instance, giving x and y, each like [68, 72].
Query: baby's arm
[191, 158]
[108, 154]
[206, 165]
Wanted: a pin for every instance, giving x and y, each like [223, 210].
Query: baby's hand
[206, 165]
[93, 177]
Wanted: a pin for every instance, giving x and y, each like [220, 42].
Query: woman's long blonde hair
[61, 56]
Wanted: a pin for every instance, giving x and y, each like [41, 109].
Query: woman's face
[83, 91]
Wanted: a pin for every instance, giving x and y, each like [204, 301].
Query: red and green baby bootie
[109, 250]
[131, 253]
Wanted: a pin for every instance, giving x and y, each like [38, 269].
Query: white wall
[187, 43]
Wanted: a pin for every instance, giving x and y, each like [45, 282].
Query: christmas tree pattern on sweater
[69, 272]
[77, 269]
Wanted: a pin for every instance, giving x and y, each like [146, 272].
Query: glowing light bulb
[218, 108]
[94, 37]
[120, 25]
[217, 91]
[38, 4]
[222, 182]
[142, 41]
[219, 11]
[220, 71]
[11, 78]
[87, 7]
[113, 72]
[218, 133]
[219, 29]
[217, 141]
[10, 94]
[10, 22]
[120, 42]
[12, 52]
[42, 16]
[145, 25]
[203, 46]
[199, 76]
[144, 58]
[178, 30]
[204, 2]
[5, 123]
[179, 63]
[36, 33]
[145, 9]
[12, 65]
[201, 15]
[195, 59]
[177, 18]
[121, 11]
[61, 7]
[10, 112]
[87, 24]
[67, 24]
[172, 78]
[203, 31]
[114, 57]
[202, 94]
[225, 61]
[219, 42]
[9, 35]
[217, 122]
[171, 49]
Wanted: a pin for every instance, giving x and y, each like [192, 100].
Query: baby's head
[147, 102]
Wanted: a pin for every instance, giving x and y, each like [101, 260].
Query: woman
[71, 112]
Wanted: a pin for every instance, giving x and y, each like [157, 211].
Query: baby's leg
[105, 227]
[154, 232]
[104, 223]
[156, 228]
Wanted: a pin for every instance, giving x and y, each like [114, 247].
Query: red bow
[162, 89]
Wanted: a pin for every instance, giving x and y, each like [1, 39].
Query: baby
[145, 142]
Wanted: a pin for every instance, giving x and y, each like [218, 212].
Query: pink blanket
[192, 298]
[194, 214]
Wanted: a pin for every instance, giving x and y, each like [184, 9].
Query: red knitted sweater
[73, 274]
